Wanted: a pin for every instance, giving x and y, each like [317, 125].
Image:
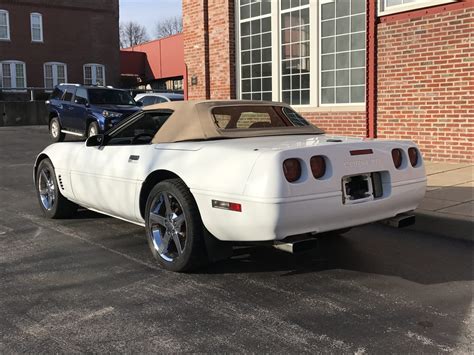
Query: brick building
[46, 42]
[156, 65]
[378, 68]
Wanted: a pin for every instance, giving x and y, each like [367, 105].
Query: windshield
[110, 97]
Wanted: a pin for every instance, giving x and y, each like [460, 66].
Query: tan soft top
[193, 120]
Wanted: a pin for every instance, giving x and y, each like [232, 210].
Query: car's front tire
[174, 228]
[52, 202]
[93, 129]
[55, 130]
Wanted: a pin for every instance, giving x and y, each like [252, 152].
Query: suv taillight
[292, 169]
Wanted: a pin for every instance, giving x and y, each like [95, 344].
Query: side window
[81, 96]
[159, 100]
[69, 94]
[148, 100]
[57, 93]
[147, 124]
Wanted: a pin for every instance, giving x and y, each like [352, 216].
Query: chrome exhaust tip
[296, 247]
[401, 220]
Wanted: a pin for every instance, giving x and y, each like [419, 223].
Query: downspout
[371, 71]
[207, 74]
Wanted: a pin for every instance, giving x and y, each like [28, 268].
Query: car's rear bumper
[276, 219]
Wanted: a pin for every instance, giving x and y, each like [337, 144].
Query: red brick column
[209, 48]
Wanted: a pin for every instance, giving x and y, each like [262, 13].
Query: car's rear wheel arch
[150, 182]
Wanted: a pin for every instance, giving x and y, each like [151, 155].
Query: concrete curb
[455, 227]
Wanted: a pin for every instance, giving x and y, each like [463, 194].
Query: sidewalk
[448, 206]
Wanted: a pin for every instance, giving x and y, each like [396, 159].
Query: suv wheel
[93, 129]
[55, 130]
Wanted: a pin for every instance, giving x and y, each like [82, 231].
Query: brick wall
[426, 83]
[74, 33]
[340, 123]
[195, 47]
[221, 83]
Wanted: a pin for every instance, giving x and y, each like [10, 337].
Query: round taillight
[397, 157]
[292, 169]
[413, 155]
[318, 166]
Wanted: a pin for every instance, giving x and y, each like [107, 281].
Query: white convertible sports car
[199, 174]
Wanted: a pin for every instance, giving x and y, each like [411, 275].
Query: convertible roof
[193, 120]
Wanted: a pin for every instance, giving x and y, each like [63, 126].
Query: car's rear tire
[52, 202]
[92, 129]
[55, 130]
[174, 228]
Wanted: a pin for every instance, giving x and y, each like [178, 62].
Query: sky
[148, 12]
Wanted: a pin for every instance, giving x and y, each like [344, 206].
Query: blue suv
[87, 110]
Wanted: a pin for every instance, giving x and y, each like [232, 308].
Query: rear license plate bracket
[357, 188]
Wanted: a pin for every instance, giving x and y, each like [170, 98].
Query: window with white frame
[4, 25]
[12, 75]
[94, 74]
[255, 49]
[54, 74]
[36, 27]
[295, 52]
[342, 59]
[387, 7]
[315, 51]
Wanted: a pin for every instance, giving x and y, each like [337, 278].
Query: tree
[131, 34]
[169, 26]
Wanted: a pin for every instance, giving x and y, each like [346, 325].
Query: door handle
[133, 158]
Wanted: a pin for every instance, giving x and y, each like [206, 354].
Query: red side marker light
[362, 152]
[224, 205]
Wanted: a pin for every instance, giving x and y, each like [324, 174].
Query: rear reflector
[292, 169]
[230, 206]
[362, 152]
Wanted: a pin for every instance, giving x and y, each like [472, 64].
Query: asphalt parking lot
[89, 284]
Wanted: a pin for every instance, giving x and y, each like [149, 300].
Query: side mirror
[95, 141]
[139, 103]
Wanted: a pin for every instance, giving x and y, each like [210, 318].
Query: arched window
[54, 73]
[12, 74]
[4, 25]
[36, 27]
[94, 74]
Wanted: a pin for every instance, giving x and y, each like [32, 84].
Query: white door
[105, 178]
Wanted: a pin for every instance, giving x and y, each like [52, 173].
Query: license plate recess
[360, 188]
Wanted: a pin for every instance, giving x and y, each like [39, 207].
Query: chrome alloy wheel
[167, 223]
[55, 129]
[47, 189]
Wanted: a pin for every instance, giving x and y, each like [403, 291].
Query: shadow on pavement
[419, 258]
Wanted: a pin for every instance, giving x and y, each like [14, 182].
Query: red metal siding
[164, 58]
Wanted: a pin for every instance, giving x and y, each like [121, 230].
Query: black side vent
[60, 182]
